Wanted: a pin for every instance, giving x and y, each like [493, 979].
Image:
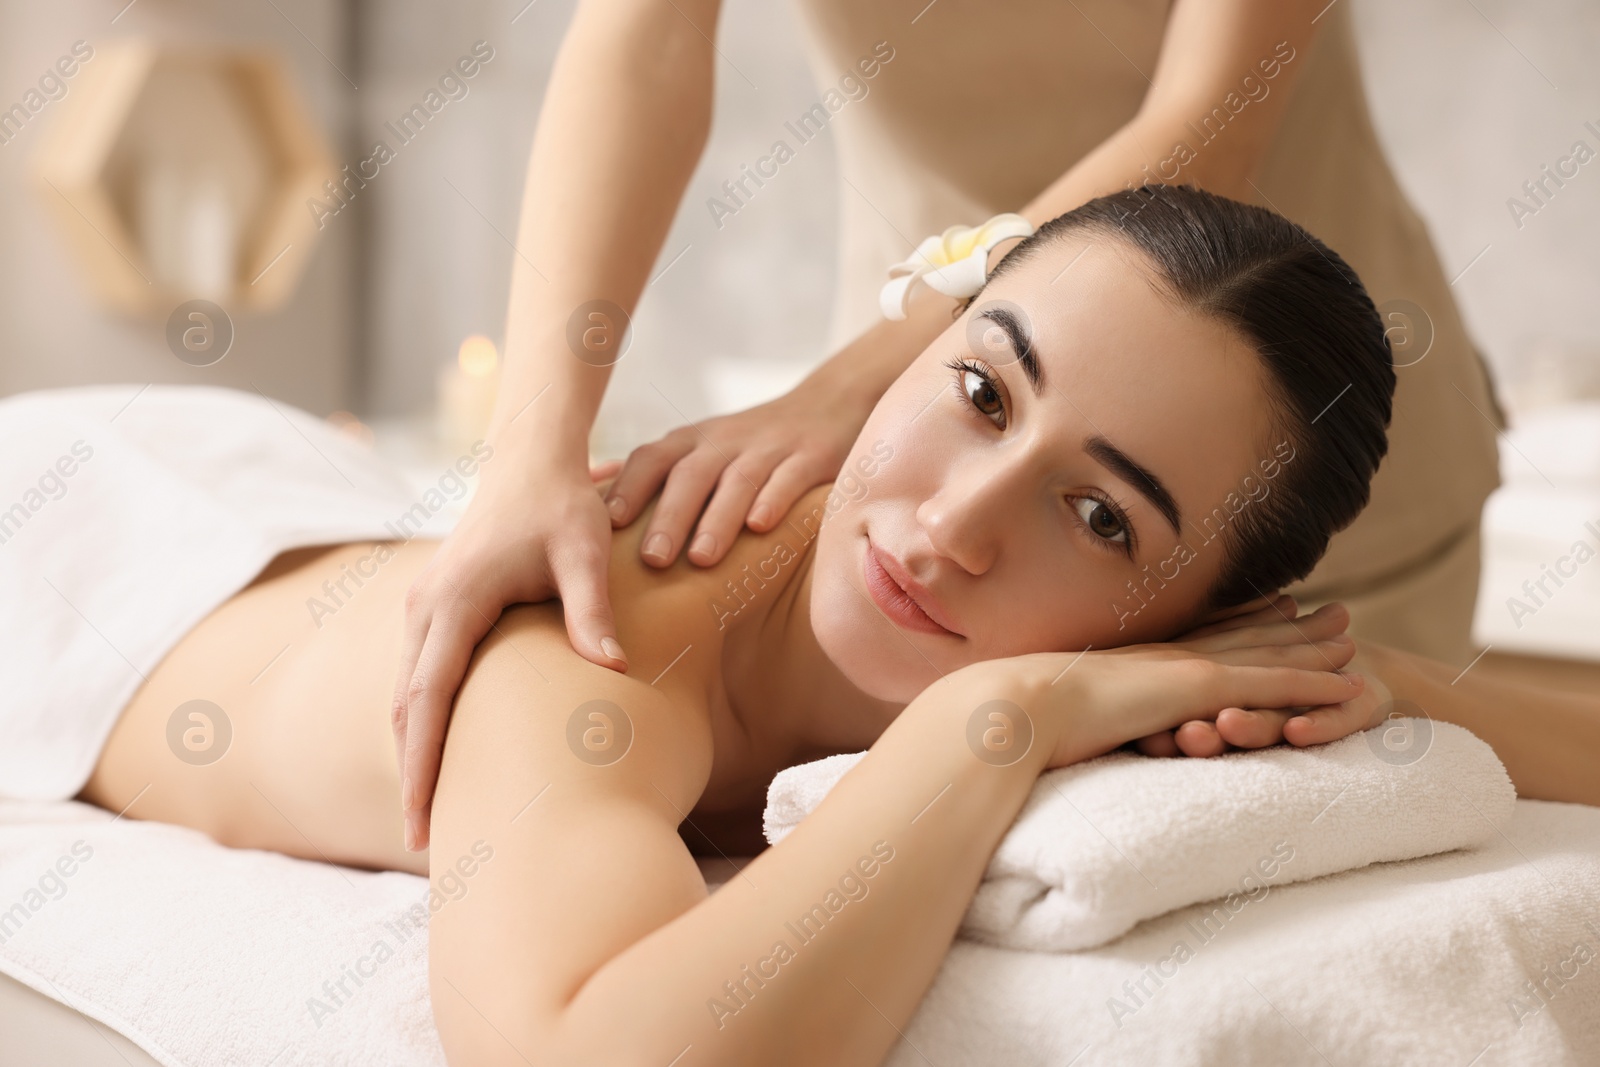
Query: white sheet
[204, 955]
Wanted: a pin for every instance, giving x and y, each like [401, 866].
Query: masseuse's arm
[585, 935]
[625, 116]
[1548, 740]
[1237, 56]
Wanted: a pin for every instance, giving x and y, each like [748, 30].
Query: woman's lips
[904, 606]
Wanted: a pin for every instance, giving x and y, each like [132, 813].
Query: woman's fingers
[1234, 728]
[737, 486]
[1321, 725]
[1160, 745]
[1261, 610]
[1329, 654]
[1253, 728]
[419, 611]
[1281, 687]
[785, 485]
[1200, 738]
[689, 483]
[455, 630]
[579, 573]
[642, 474]
[1326, 622]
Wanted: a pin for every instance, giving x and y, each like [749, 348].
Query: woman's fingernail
[618, 507]
[658, 546]
[408, 795]
[703, 546]
[760, 515]
[610, 647]
[1340, 639]
[411, 834]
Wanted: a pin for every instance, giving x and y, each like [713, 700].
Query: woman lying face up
[1162, 406]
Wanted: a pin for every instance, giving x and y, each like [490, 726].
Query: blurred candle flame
[477, 356]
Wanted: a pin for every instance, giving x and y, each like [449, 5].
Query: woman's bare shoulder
[528, 695]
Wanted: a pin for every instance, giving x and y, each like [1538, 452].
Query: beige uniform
[983, 105]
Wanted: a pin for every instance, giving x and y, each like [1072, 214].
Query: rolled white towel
[1108, 843]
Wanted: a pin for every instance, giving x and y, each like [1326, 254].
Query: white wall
[760, 285]
[1465, 117]
[415, 265]
[1471, 99]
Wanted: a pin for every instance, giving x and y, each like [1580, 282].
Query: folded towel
[1108, 843]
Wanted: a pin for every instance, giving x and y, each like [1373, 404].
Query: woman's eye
[1101, 520]
[984, 396]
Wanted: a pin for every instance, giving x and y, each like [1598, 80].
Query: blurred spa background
[160, 152]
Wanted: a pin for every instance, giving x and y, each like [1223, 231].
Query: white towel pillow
[1106, 844]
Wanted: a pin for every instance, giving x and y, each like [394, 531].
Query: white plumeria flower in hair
[955, 263]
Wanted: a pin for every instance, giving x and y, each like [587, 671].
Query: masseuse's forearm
[626, 114]
[922, 814]
[1549, 741]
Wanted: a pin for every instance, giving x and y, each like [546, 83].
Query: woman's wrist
[1005, 708]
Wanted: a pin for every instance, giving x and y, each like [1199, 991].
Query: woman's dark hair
[1318, 334]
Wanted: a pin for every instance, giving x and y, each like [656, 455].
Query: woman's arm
[626, 114]
[1548, 740]
[588, 936]
[753, 465]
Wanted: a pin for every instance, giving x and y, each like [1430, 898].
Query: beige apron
[983, 105]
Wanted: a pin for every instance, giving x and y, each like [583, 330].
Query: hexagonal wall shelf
[180, 172]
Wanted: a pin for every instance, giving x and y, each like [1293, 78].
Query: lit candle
[467, 390]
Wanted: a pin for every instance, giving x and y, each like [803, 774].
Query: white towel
[209, 955]
[1106, 844]
[127, 514]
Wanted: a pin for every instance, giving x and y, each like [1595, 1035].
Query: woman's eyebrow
[1021, 344]
[1147, 484]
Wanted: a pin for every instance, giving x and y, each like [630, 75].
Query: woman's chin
[872, 656]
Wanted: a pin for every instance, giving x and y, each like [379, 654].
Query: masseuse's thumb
[586, 604]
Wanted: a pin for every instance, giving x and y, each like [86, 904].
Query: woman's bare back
[292, 750]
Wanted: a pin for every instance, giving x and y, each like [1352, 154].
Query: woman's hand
[546, 535]
[1262, 727]
[1087, 704]
[753, 465]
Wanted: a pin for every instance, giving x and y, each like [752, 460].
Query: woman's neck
[780, 681]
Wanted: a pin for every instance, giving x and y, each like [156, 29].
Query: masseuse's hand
[752, 465]
[526, 537]
[1263, 727]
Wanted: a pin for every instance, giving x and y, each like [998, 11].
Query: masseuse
[970, 110]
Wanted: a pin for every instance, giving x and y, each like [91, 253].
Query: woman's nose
[967, 519]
